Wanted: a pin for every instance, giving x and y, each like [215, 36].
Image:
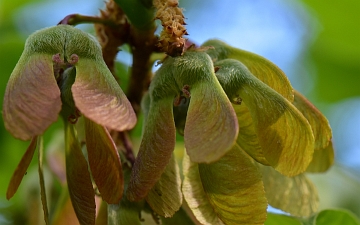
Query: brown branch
[142, 46]
[129, 153]
[123, 144]
[75, 19]
[111, 37]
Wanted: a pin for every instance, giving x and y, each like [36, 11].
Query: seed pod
[32, 97]
[284, 134]
[210, 127]
[259, 66]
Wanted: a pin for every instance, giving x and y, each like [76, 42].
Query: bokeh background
[316, 43]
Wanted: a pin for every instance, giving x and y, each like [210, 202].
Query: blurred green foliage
[336, 50]
[11, 47]
[325, 217]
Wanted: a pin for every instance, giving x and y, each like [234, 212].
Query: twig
[75, 19]
[142, 46]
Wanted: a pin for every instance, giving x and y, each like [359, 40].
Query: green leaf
[336, 217]
[284, 134]
[259, 66]
[104, 162]
[165, 198]
[32, 98]
[78, 177]
[296, 195]
[143, 17]
[41, 180]
[157, 145]
[319, 124]
[277, 219]
[325, 217]
[20, 170]
[247, 138]
[322, 160]
[229, 191]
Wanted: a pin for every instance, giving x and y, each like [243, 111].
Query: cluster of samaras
[249, 137]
